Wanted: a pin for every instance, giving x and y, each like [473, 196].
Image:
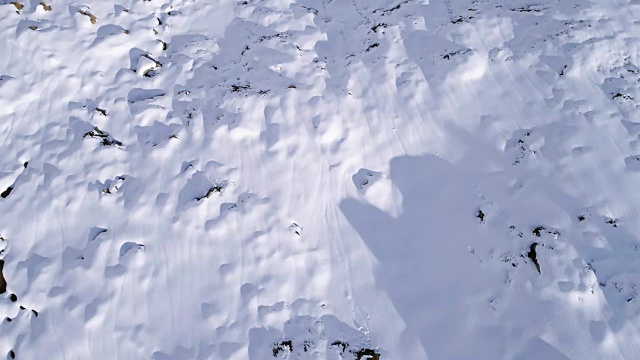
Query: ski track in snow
[411, 179]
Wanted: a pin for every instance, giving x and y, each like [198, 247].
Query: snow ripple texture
[319, 179]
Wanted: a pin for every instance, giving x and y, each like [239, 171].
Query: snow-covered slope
[320, 179]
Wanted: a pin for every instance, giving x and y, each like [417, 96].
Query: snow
[320, 179]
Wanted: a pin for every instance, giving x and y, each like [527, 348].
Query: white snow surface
[320, 179]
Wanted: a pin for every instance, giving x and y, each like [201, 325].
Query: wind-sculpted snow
[319, 179]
